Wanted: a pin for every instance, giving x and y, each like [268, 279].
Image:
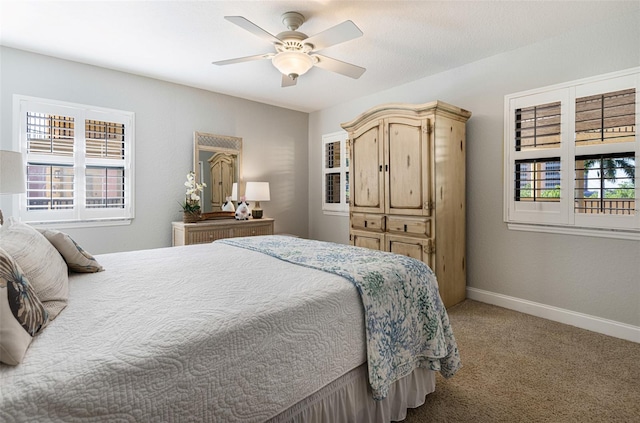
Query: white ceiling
[177, 40]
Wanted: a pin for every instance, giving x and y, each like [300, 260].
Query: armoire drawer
[369, 222]
[417, 226]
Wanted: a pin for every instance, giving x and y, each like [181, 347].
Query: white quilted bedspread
[203, 333]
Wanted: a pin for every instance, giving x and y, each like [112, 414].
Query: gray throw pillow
[77, 259]
[40, 262]
[22, 315]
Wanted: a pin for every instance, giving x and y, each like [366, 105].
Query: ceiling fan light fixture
[295, 52]
[292, 63]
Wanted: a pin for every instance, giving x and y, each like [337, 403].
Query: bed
[244, 329]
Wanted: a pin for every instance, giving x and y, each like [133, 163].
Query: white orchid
[192, 202]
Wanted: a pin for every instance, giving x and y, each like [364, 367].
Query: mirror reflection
[217, 162]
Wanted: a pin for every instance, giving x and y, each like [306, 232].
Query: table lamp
[234, 193]
[257, 191]
[11, 174]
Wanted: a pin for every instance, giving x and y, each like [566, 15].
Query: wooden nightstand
[210, 230]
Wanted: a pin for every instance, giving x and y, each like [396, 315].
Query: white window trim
[560, 217]
[342, 208]
[90, 218]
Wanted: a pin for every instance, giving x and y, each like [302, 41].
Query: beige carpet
[520, 368]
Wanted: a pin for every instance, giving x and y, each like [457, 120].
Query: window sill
[628, 234]
[81, 223]
[335, 213]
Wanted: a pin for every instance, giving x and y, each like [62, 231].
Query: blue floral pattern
[407, 325]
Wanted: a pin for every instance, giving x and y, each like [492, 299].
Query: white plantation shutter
[537, 128]
[571, 154]
[105, 139]
[606, 118]
[79, 161]
[50, 134]
[335, 173]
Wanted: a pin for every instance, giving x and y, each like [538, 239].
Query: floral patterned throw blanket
[406, 322]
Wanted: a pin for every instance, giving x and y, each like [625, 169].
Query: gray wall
[275, 144]
[595, 276]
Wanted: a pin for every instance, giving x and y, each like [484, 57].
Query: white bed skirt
[348, 399]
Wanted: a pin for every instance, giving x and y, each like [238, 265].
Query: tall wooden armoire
[407, 186]
[222, 167]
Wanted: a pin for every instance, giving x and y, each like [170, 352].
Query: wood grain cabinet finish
[371, 222]
[407, 186]
[211, 230]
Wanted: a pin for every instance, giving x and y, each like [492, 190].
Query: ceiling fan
[296, 53]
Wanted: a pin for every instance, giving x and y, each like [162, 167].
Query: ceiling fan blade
[287, 81]
[246, 24]
[338, 66]
[244, 59]
[340, 33]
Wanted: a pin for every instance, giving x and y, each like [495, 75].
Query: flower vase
[190, 216]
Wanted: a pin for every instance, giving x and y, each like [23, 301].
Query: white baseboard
[583, 321]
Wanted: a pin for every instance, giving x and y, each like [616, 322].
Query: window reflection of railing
[50, 204]
[606, 206]
[57, 204]
[102, 203]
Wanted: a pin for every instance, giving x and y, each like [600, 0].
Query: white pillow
[22, 315]
[40, 262]
[77, 259]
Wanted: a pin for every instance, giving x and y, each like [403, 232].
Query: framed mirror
[217, 161]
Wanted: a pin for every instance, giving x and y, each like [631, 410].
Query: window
[570, 157]
[79, 162]
[538, 180]
[335, 173]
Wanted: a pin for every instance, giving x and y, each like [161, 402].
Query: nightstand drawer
[202, 236]
[265, 228]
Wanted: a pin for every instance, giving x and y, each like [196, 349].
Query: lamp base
[256, 213]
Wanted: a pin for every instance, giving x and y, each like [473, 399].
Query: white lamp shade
[234, 192]
[257, 191]
[11, 173]
[292, 62]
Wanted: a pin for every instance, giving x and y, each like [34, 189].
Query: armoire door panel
[416, 248]
[370, 240]
[216, 192]
[222, 170]
[405, 166]
[366, 171]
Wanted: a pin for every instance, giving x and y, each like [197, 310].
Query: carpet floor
[521, 368]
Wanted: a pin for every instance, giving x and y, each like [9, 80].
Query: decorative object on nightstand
[228, 204]
[257, 191]
[11, 174]
[191, 205]
[243, 212]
